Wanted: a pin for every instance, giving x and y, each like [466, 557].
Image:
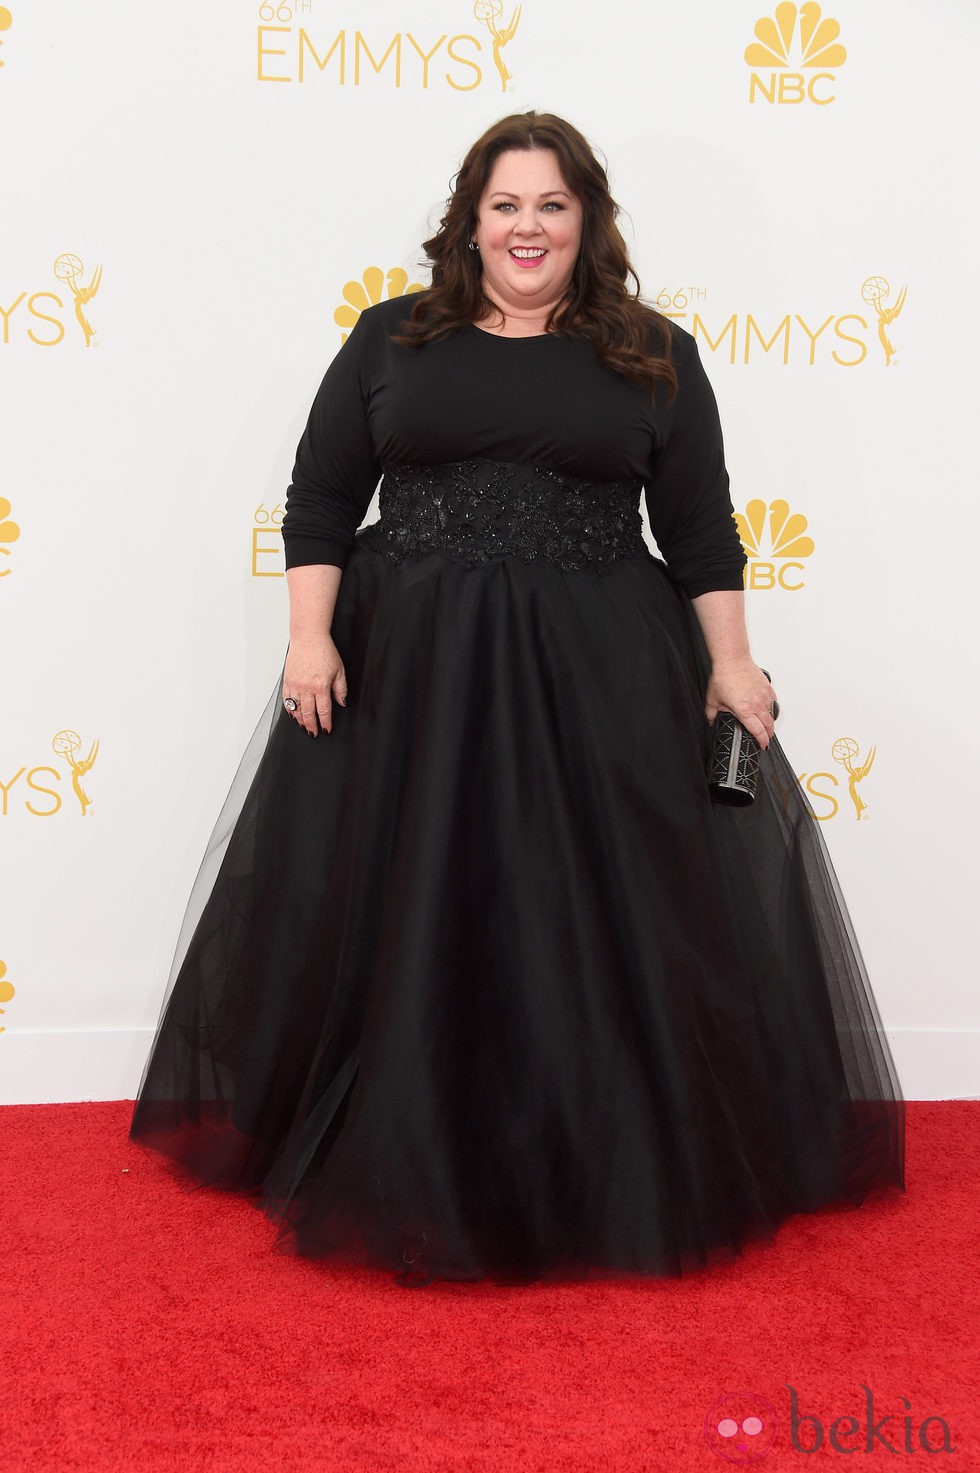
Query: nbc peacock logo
[795, 56]
[6, 990]
[9, 533]
[374, 286]
[6, 21]
[776, 541]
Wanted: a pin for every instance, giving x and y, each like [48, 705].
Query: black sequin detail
[475, 511]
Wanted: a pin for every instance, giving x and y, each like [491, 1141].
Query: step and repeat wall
[197, 203]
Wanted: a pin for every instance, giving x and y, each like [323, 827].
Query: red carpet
[150, 1326]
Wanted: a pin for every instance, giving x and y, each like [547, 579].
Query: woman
[479, 982]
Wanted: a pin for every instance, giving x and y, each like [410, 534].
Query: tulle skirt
[482, 984]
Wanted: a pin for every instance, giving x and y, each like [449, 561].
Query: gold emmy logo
[489, 13]
[6, 988]
[369, 291]
[822, 789]
[874, 291]
[267, 540]
[846, 751]
[787, 540]
[68, 744]
[818, 49]
[288, 51]
[6, 21]
[843, 338]
[68, 268]
[9, 532]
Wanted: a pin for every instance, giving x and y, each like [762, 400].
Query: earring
[474, 246]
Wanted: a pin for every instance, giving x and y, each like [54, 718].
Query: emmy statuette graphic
[489, 13]
[67, 744]
[68, 268]
[874, 291]
[846, 751]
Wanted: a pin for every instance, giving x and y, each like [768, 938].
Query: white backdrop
[187, 194]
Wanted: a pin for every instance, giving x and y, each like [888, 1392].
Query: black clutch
[733, 766]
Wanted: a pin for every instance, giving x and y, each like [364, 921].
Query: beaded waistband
[475, 511]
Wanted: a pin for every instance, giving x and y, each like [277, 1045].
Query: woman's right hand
[314, 676]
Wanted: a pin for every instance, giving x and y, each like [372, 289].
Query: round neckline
[533, 337]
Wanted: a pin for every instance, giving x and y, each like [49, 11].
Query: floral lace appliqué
[475, 511]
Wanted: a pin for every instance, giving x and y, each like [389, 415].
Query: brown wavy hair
[600, 306]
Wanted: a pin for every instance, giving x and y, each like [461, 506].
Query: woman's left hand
[741, 687]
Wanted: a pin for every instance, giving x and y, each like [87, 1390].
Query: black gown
[482, 983]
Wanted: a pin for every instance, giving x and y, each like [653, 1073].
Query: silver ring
[290, 704]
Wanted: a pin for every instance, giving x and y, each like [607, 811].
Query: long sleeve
[687, 493]
[336, 470]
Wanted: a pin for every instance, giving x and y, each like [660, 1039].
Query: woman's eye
[552, 205]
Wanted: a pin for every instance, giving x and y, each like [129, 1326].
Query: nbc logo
[6, 990]
[795, 36]
[9, 532]
[369, 291]
[775, 539]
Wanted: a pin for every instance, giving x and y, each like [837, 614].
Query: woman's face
[529, 228]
